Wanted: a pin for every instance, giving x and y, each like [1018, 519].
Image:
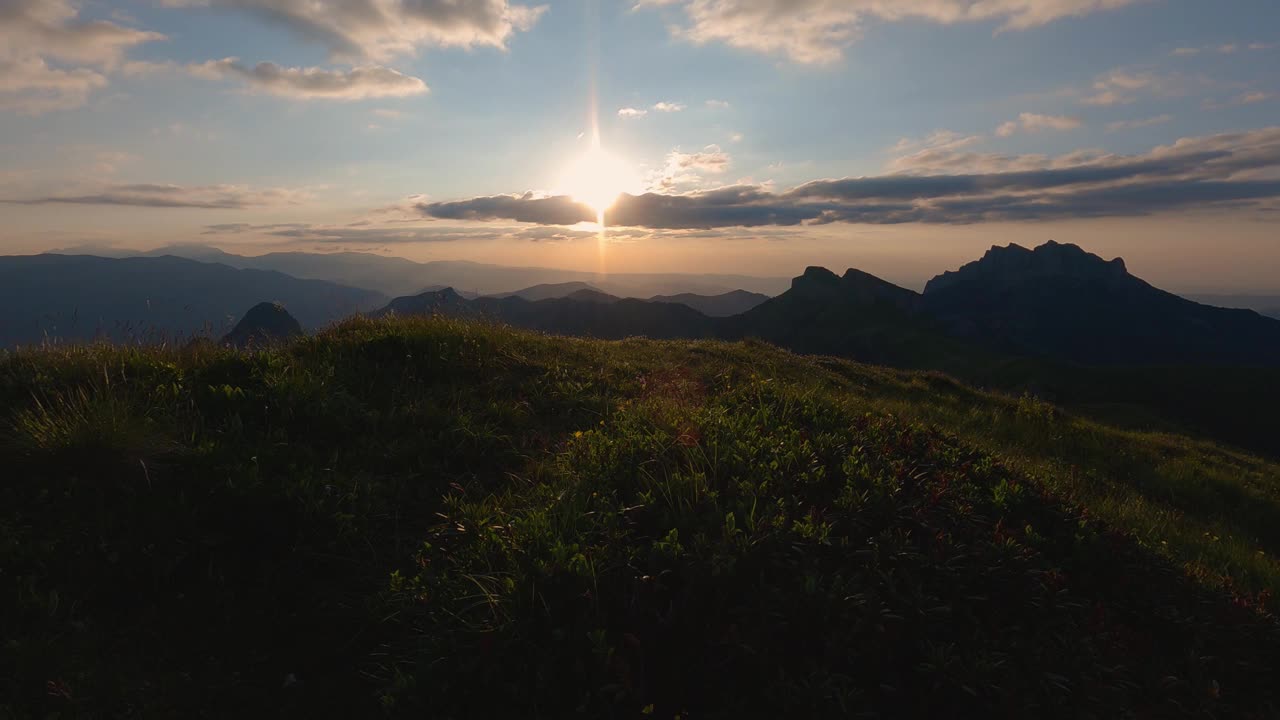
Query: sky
[902, 137]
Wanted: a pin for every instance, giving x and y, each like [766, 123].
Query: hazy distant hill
[547, 291]
[395, 276]
[1268, 305]
[74, 298]
[734, 302]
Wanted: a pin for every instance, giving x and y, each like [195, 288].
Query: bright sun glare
[597, 178]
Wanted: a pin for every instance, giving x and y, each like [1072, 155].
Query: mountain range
[80, 297]
[1056, 301]
[396, 276]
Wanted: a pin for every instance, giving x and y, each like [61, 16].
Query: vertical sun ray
[593, 109]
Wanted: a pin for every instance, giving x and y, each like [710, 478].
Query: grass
[424, 517]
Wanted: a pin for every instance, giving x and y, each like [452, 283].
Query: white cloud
[936, 140]
[686, 169]
[718, 104]
[1139, 123]
[630, 112]
[1124, 86]
[736, 137]
[817, 31]
[667, 107]
[35, 32]
[1033, 122]
[1225, 49]
[370, 81]
[1253, 98]
[381, 29]
[1008, 128]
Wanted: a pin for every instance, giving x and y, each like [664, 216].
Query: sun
[597, 178]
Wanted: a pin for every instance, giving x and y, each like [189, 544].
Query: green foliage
[425, 517]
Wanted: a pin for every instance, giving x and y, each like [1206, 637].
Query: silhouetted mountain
[77, 298]
[438, 288]
[727, 304]
[442, 302]
[1059, 301]
[547, 291]
[592, 295]
[856, 315]
[264, 324]
[396, 276]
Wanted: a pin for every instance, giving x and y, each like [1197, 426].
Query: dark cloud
[1229, 170]
[378, 29]
[212, 197]
[359, 83]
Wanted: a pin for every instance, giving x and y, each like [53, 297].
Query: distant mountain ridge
[734, 302]
[397, 277]
[75, 298]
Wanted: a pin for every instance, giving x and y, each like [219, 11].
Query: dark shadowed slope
[585, 312]
[265, 323]
[1062, 302]
[428, 518]
[82, 297]
[727, 304]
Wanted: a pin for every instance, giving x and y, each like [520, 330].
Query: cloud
[382, 29]
[662, 107]
[817, 31]
[1032, 122]
[718, 104]
[1124, 86]
[1252, 98]
[1140, 123]
[215, 197]
[34, 33]
[1233, 170]
[938, 144]
[364, 234]
[685, 169]
[359, 83]
[1227, 49]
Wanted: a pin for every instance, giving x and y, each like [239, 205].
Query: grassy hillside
[431, 518]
